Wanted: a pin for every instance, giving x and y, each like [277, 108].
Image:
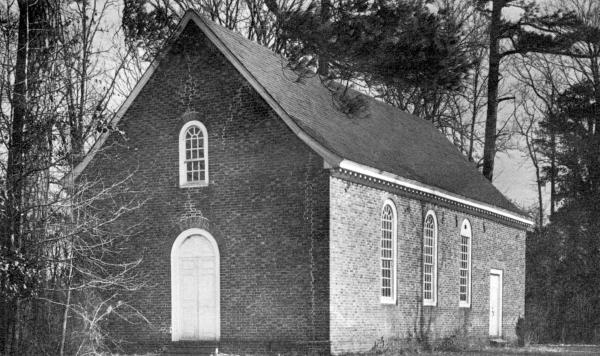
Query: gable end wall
[266, 204]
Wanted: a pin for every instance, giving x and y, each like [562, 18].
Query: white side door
[496, 303]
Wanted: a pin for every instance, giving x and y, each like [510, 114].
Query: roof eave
[437, 192]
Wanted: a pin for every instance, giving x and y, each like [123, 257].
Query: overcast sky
[514, 176]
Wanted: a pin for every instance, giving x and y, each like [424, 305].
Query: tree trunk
[540, 184]
[80, 139]
[323, 68]
[489, 147]
[552, 171]
[474, 114]
[31, 43]
[14, 168]
[67, 305]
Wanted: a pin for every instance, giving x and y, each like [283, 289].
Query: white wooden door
[495, 303]
[189, 285]
[207, 306]
[198, 314]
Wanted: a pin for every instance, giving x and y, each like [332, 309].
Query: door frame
[175, 249]
[499, 273]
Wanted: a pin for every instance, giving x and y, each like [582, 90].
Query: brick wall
[266, 204]
[359, 320]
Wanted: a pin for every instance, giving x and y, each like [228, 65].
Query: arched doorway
[195, 287]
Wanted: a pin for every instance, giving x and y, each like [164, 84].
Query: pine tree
[378, 43]
[533, 31]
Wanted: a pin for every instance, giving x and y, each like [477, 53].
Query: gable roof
[387, 144]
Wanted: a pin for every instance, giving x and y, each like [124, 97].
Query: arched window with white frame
[465, 264]
[388, 252]
[430, 242]
[193, 155]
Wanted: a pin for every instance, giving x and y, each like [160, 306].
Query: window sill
[388, 301]
[194, 184]
[430, 303]
[464, 305]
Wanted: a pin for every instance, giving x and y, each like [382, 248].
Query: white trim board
[412, 184]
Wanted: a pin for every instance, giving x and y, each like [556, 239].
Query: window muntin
[195, 164]
[430, 259]
[388, 253]
[465, 265]
[193, 155]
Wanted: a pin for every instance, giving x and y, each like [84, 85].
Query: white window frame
[183, 183]
[392, 298]
[466, 231]
[433, 300]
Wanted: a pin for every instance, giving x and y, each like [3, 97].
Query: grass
[550, 350]
[534, 350]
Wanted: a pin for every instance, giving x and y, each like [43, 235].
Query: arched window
[465, 264]
[430, 259]
[388, 252]
[193, 155]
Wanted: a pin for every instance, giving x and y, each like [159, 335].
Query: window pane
[429, 246]
[465, 272]
[387, 252]
[194, 154]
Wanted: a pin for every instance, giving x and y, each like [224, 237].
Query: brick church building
[273, 221]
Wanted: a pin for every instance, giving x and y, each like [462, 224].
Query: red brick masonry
[298, 247]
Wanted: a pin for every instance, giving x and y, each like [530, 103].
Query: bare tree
[543, 76]
[527, 122]
[58, 84]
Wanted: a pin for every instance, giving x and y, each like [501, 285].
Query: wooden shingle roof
[386, 138]
[384, 141]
